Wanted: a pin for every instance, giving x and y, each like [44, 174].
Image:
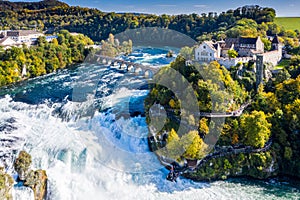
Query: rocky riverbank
[261, 165]
[36, 180]
[226, 162]
[6, 185]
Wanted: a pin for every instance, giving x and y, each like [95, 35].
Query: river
[97, 148]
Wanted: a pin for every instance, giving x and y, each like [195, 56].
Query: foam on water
[105, 155]
[79, 166]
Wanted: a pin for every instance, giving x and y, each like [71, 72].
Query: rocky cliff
[6, 185]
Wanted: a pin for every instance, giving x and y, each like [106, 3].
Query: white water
[23, 193]
[106, 158]
[71, 154]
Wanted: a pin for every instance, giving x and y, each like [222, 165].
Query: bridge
[230, 150]
[235, 113]
[129, 67]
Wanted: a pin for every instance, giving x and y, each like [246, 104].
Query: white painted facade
[233, 61]
[24, 36]
[206, 52]
[247, 49]
[7, 42]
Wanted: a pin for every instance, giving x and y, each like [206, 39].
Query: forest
[51, 16]
[271, 118]
[97, 25]
[45, 57]
[274, 113]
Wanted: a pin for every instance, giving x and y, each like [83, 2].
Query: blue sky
[283, 7]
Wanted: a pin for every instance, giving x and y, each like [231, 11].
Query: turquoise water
[95, 148]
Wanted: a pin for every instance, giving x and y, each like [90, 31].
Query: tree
[288, 153]
[267, 44]
[293, 115]
[203, 126]
[194, 146]
[41, 41]
[256, 128]
[172, 136]
[187, 52]
[173, 147]
[111, 39]
[232, 53]
[282, 76]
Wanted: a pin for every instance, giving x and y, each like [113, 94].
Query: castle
[247, 49]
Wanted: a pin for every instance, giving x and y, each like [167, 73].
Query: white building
[207, 51]
[24, 36]
[2, 34]
[247, 49]
[7, 42]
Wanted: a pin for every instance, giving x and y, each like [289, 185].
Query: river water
[96, 147]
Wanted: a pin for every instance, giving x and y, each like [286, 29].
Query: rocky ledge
[6, 185]
[36, 180]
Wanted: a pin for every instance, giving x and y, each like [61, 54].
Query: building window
[203, 53]
[210, 54]
[204, 47]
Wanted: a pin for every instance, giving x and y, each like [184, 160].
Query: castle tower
[276, 45]
[259, 69]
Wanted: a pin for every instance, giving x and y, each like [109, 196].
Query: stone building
[247, 49]
[7, 42]
[24, 36]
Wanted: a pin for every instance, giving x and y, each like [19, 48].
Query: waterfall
[22, 193]
[100, 155]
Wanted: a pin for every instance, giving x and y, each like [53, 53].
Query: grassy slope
[289, 23]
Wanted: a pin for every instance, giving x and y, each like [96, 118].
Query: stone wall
[226, 62]
[272, 57]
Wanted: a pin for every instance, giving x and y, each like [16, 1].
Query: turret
[275, 43]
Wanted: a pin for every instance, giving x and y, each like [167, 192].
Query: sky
[284, 8]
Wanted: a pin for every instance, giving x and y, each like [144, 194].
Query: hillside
[289, 23]
[53, 15]
[16, 6]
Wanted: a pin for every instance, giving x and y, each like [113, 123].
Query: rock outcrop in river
[36, 180]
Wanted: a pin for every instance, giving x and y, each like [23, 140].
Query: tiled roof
[25, 32]
[211, 44]
[275, 40]
[231, 41]
[243, 40]
[4, 39]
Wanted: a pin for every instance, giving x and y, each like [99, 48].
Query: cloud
[166, 5]
[200, 6]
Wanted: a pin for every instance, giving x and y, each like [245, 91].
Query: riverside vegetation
[273, 114]
[271, 120]
[47, 57]
[52, 15]
[44, 58]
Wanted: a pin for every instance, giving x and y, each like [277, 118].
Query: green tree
[203, 126]
[194, 146]
[232, 53]
[172, 136]
[267, 44]
[256, 128]
[288, 153]
[187, 52]
[22, 164]
[173, 148]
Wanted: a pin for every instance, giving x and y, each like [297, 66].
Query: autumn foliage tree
[256, 128]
